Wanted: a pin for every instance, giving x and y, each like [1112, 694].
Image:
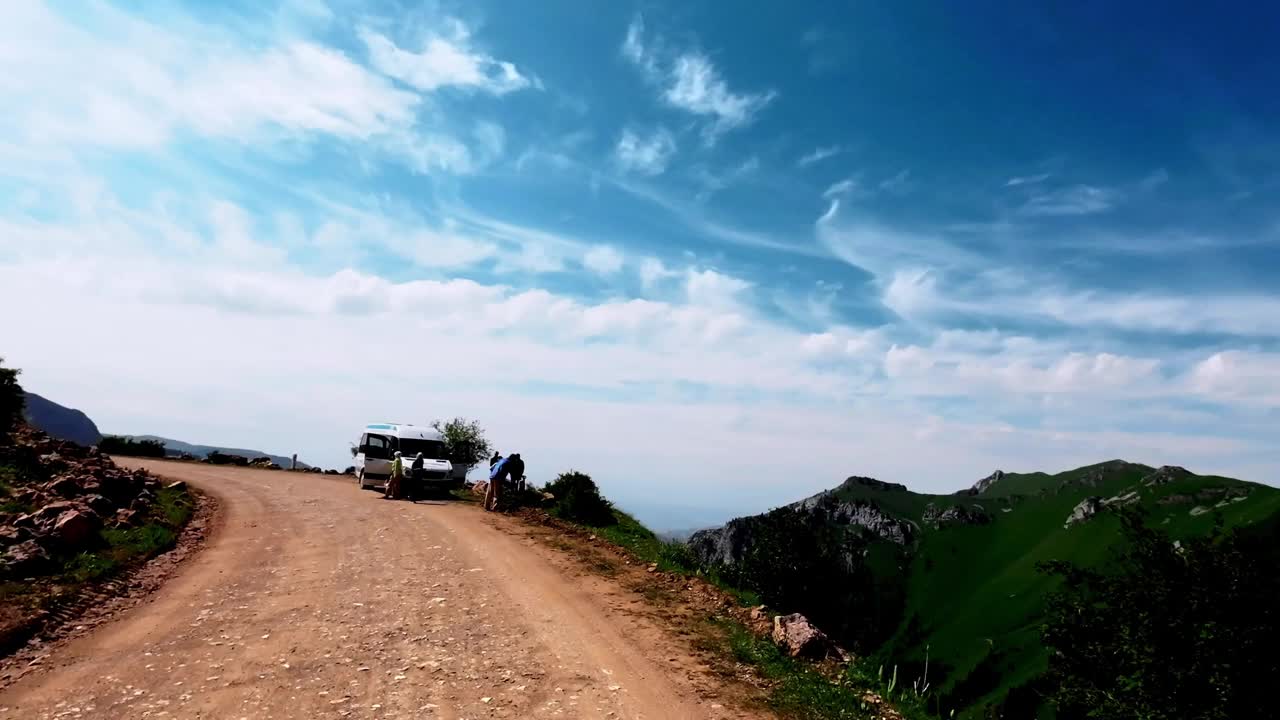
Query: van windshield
[432, 449]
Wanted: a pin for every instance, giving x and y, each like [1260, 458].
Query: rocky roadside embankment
[70, 518]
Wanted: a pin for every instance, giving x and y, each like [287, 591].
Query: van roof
[404, 430]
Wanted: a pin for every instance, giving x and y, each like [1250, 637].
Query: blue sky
[717, 259]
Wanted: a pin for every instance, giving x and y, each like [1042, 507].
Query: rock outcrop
[985, 483]
[955, 515]
[65, 494]
[1086, 509]
[1165, 475]
[799, 638]
[719, 547]
[1091, 506]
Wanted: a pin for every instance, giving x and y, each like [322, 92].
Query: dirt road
[316, 599]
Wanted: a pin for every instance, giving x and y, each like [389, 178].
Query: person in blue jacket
[493, 493]
[510, 468]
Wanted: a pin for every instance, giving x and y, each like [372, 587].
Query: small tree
[578, 499]
[12, 399]
[464, 441]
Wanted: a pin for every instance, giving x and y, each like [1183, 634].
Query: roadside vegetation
[12, 400]
[1168, 629]
[121, 548]
[116, 445]
[795, 688]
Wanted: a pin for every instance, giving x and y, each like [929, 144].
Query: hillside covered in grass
[956, 578]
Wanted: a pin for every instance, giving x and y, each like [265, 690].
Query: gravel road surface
[314, 599]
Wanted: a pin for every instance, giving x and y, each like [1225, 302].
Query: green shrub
[117, 445]
[578, 499]
[12, 399]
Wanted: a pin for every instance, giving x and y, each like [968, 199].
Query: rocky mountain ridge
[59, 421]
[887, 570]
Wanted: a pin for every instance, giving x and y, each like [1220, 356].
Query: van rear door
[377, 455]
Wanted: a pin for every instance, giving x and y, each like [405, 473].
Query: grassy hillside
[975, 595]
[972, 597]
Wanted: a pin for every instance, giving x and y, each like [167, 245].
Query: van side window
[377, 446]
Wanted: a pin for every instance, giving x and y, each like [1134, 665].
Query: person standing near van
[392, 489]
[515, 471]
[509, 469]
[493, 493]
[415, 487]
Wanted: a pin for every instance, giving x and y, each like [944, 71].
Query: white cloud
[843, 188]
[653, 271]
[696, 86]
[448, 250]
[427, 153]
[137, 84]
[132, 84]
[689, 81]
[445, 60]
[647, 155]
[898, 184]
[1027, 180]
[633, 47]
[819, 154]
[603, 260]
[927, 279]
[710, 288]
[1239, 376]
[1071, 200]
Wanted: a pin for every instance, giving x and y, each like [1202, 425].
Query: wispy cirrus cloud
[931, 279]
[445, 60]
[897, 184]
[819, 154]
[842, 188]
[689, 81]
[1027, 180]
[137, 85]
[1071, 200]
[647, 154]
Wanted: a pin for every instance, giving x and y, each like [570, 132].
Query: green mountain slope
[966, 566]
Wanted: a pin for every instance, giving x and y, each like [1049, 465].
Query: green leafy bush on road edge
[578, 499]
